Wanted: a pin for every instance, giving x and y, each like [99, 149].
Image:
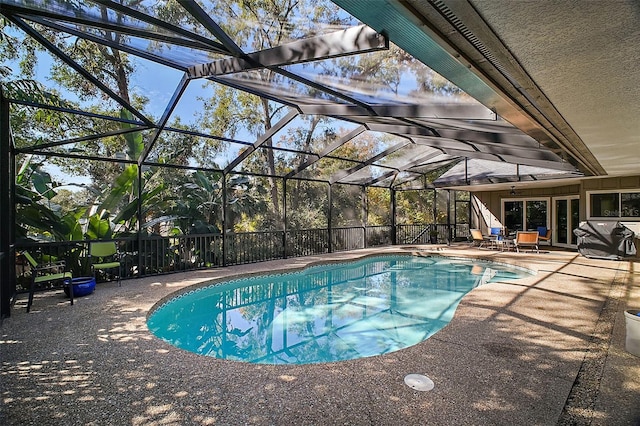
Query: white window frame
[612, 191]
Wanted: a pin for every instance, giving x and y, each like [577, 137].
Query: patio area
[545, 350]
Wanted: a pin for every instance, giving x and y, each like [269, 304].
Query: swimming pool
[324, 313]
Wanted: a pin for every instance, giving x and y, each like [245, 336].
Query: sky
[158, 83]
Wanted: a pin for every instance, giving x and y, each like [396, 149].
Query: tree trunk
[271, 163]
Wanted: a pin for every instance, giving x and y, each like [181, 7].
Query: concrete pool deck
[545, 350]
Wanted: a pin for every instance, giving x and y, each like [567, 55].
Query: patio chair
[478, 238]
[495, 231]
[104, 256]
[495, 237]
[526, 239]
[483, 240]
[544, 234]
[51, 272]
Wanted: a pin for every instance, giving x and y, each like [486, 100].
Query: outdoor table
[504, 244]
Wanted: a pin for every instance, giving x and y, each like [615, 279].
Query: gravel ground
[545, 350]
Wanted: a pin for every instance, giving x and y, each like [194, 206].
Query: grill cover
[605, 240]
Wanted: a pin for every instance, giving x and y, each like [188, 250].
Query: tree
[115, 186]
[120, 187]
[264, 25]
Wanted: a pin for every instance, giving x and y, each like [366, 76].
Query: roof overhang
[565, 75]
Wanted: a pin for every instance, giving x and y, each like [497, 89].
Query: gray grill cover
[605, 240]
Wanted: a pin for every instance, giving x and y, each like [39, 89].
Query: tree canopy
[104, 173]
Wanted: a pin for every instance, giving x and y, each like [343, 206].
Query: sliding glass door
[525, 214]
[513, 215]
[566, 217]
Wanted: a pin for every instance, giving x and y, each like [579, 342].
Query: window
[630, 204]
[618, 204]
[605, 205]
[536, 213]
[525, 214]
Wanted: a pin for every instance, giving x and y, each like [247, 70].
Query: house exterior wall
[492, 200]
[612, 183]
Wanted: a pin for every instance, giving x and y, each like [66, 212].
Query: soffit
[584, 56]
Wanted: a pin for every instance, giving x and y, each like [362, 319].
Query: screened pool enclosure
[213, 133]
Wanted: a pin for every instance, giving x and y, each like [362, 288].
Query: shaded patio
[548, 349]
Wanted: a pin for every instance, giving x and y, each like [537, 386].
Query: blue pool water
[324, 313]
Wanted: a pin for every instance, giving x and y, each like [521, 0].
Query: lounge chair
[478, 238]
[485, 240]
[495, 237]
[495, 231]
[526, 239]
[54, 271]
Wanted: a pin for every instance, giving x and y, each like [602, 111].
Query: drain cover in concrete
[419, 382]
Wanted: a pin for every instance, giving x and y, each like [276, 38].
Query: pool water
[324, 313]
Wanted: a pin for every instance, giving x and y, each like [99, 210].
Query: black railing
[160, 255]
[154, 255]
[460, 232]
[420, 234]
[307, 242]
[254, 247]
[440, 233]
[345, 239]
[376, 236]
